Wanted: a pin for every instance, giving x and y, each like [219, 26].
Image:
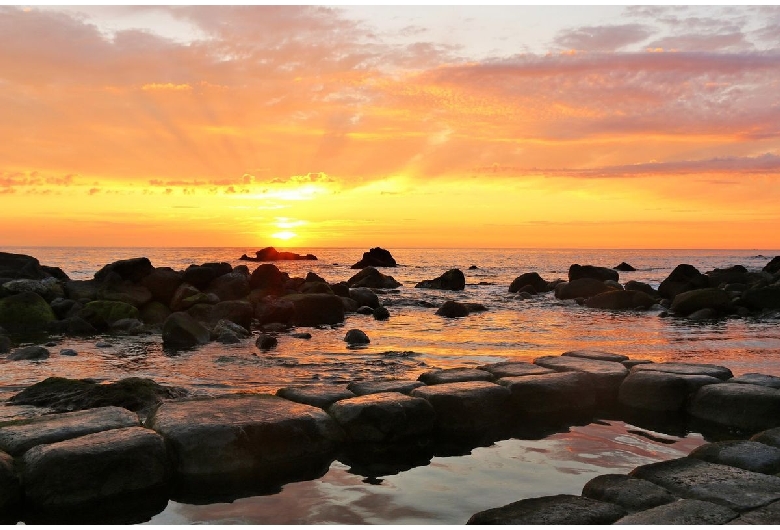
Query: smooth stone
[769, 437]
[453, 309]
[180, 330]
[769, 514]
[620, 300]
[384, 418]
[633, 494]
[514, 369]
[364, 310]
[695, 300]
[727, 405]
[266, 342]
[452, 280]
[69, 352]
[316, 309]
[556, 509]
[744, 454]
[466, 406]
[321, 396]
[381, 313]
[607, 376]
[370, 277]
[17, 438]
[305, 335]
[533, 279]
[364, 297]
[25, 312]
[602, 274]
[356, 336]
[684, 511]
[29, 353]
[551, 394]
[103, 344]
[596, 355]
[658, 391]
[725, 485]
[713, 370]
[581, 288]
[757, 379]
[94, 468]
[454, 375]
[376, 257]
[102, 313]
[630, 363]
[361, 388]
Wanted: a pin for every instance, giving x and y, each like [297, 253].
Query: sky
[395, 126]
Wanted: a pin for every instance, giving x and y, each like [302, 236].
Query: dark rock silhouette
[271, 254]
[773, 267]
[591, 271]
[452, 280]
[376, 257]
[683, 278]
[529, 278]
[370, 277]
[624, 267]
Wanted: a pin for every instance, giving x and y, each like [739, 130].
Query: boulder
[601, 274]
[271, 254]
[387, 417]
[62, 307]
[199, 276]
[624, 267]
[226, 326]
[453, 309]
[10, 490]
[257, 436]
[375, 257]
[370, 277]
[768, 515]
[187, 296]
[316, 309]
[101, 314]
[581, 288]
[683, 511]
[606, 375]
[683, 278]
[737, 406]
[768, 437]
[237, 311]
[759, 298]
[621, 300]
[69, 352]
[273, 310]
[269, 279]
[454, 375]
[25, 313]
[231, 286]
[633, 285]
[29, 353]
[514, 369]
[381, 313]
[315, 287]
[361, 388]
[266, 342]
[551, 396]
[21, 266]
[162, 282]
[452, 280]
[94, 468]
[356, 336]
[81, 289]
[744, 454]
[757, 379]
[5, 344]
[773, 267]
[21, 436]
[470, 406]
[133, 270]
[127, 326]
[48, 288]
[694, 300]
[340, 288]
[529, 278]
[129, 293]
[654, 391]
[154, 313]
[556, 509]
[180, 330]
[596, 355]
[712, 370]
[73, 327]
[633, 494]
[733, 274]
[321, 396]
[364, 297]
[350, 306]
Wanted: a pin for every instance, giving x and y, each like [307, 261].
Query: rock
[758, 298]
[768, 437]
[237, 311]
[757, 379]
[154, 313]
[5, 344]
[684, 511]
[703, 314]
[65, 395]
[350, 306]
[364, 297]
[453, 309]
[29, 353]
[274, 327]
[94, 468]
[180, 330]
[227, 337]
[133, 269]
[475, 307]
[624, 267]
[315, 287]
[101, 314]
[82, 289]
[231, 286]
[356, 336]
[767, 515]
[683, 278]
[633, 494]
[773, 267]
[266, 342]
[470, 406]
[551, 396]
[69, 352]
[25, 313]
[62, 306]
[253, 436]
[162, 282]
[727, 405]
[48, 288]
[620, 300]
[127, 326]
[388, 417]
[129, 293]
[321, 396]
[272, 310]
[607, 376]
[268, 278]
[341, 289]
[362, 388]
[728, 486]
[10, 490]
[581, 288]
[316, 309]
[370, 277]
[225, 326]
[199, 276]
[381, 313]
[305, 335]
[452, 280]
[529, 278]
[376, 257]
[693, 300]
[556, 509]
[712, 370]
[19, 437]
[21, 266]
[514, 369]
[747, 455]
[596, 355]
[642, 287]
[601, 274]
[271, 254]
[657, 391]
[733, 274]
[454, 375]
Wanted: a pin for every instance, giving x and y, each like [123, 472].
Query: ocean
[414, 340]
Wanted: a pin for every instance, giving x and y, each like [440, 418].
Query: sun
[285, 235]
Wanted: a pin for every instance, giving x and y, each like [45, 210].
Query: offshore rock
[529, 278]
[376, 257]
[454, 375]
[726, 405]
[620, 300]
[683, 278]
[29, 353]
[364, 297]
[25, 312]
[468, 406]
[601, 274]
[271, 254]
[316, 309]
[684, 511]
[266, 342]
[744, 454]
[452, 280]
[453, 309]
[162, 282]
[180, 330]
[624, 267]
[356, 336]
[321, 396]
[370, 277]
[773, 267]
[381, 313]
[556, 509]
[697, 299]
[581, 288]
[757, 379]
[633, 285]
[633, 494]
[384, 418]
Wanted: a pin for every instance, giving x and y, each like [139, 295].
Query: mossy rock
[103, 313]
[25, 312]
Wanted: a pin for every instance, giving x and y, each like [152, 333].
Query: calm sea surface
[413, 340]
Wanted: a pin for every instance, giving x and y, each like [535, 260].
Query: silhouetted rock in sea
[452, 280]
[624, 267]
[370, 277]
[271, 254]
[773, 267]
[683, 278]
[376, 257]
[531, 279]
[590, 271]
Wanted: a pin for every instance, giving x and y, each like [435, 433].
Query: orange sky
[307, 126]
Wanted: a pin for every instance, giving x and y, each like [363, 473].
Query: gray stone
[654, 391]
[556, 509]
[467, 406]
[747, 407]
[180, 330]
[684, 511]
[69, 352]
[744, 454]
[596, 355]
[757, 379]
[362, 388]
[384, 418]
[322, 396]
[633, 494]
[94, 468]
[767, 515]
[29, 353]
[713, 370]
[607, 376]
[769, 437]
[728, 486]
[551, 394]
[356, 336]
[17, 438]
[514, 369]
[454, 375]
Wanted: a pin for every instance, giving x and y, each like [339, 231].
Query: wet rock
[316, 309]
[180, 330]
[305, 335]
[154, 313]
[683, 278]
[73, 327]
[658, 391]
[468, 406]
[475, 307]
[82, 289]
[271, 254]
[697, 299]
[228, 337]
[624, 267]
[340, 289]
[127, 326]
[162, 282]
[684, 511]
[21, 266]
[133, 269]
[370, 277]
[29, 353]
[606, 375]
[646, 288]
[631, 493]
[384, 418]
[747, 455]
[767, 515]
[381, 313]
[256, 436]
[453, 309]
[529, 278]
[315, 287]
[773, 267]
[620, 300]
[596, 355]
[581, 288]
[321, 396]
[350, 306]
[769, 437]
[747, 407]
[356, 336]
[364, 297]
[757, 379]
[454, 375]
[48, 288]
[19, 437]
[733, 274]
[452, 280]
[375, 257]
[231, 286]
[69, 352]
[266, 342]
[237, 311]
[601, 274]
[10, 490]
[759, 298]
[734, 488]
[361, 388]
[101, 314]
[514, 369]
[25, 312]
[553, 396]
[5, 344]
[269, 279]
[274, 327]
[94, 468]
[224, 326]
[712, 370]
[129, 293]
[62, 306]
[556, 509]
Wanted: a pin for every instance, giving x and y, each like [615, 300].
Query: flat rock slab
[556, 509]
[466, 406]
[733, 405]
[241, 435]
[728, 486]
[19, 437]
[685, 511]
[374, 387]
[769, 514]
[93, 468]
[514, 369]
[552, 393]
[660, 391]
[384, 418]
[757, 379]
[721, 372]
[744, 454]
[596, 355]
[633, 494]
[322, 396]
[606, 375]
[454, 375]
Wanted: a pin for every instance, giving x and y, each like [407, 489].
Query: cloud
[603, 38]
